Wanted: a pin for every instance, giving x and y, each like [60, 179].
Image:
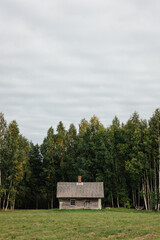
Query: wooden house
[80, 195]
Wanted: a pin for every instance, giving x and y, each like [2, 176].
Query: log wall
[80, 203]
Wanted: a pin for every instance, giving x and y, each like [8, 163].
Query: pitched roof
[80, 190]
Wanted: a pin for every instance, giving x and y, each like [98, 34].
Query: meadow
[79, 224]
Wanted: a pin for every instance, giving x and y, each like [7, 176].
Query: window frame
[72, 202]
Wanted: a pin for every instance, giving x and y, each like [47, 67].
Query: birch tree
[3, 126]
[48, 152]
[154, 124]
[35, 183]
[71, 154]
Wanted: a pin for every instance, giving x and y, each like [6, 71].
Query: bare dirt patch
[114, 236]
[92, 233]
[37, 224]
[148, 236]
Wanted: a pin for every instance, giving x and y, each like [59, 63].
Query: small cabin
[80, 195]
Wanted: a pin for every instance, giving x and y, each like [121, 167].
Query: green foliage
[125, 157]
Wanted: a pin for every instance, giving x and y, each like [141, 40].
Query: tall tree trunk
[36, 201]
[13, 205]
[138, 195]
[112, 200]
[117, 201]
[0, 182]
[48, 201]
[144, 196]
[4, 200]
[148, 193]
[134, 197]
[8, 197]
[155, 184]
[159, 187]
[7, 201]
[159, 174]
[52, 200]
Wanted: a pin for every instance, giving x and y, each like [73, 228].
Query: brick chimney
[79, 179]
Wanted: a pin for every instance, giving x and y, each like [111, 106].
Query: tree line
[126, 157]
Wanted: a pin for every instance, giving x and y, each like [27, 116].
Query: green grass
[79, 224]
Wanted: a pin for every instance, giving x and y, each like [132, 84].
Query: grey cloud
[67, 60]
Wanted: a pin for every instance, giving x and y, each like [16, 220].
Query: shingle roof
[80, 190]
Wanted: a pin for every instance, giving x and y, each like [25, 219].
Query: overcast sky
[65, 60]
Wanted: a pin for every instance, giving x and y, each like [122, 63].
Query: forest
[124, 156]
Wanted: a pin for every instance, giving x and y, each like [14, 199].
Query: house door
[87, 204]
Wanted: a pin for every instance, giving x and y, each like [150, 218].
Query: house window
[73, 202]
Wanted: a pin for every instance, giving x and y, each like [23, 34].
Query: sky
[65, 60]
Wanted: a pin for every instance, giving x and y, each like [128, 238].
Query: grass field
[79, 224]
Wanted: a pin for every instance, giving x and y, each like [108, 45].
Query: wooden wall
[80, 203]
